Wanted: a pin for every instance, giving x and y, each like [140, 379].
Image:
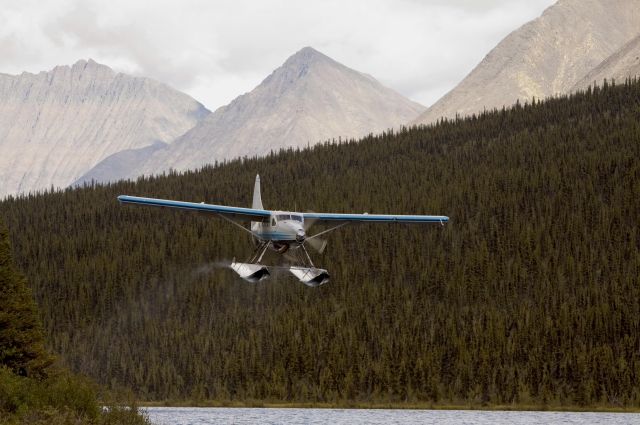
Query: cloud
[218, 50]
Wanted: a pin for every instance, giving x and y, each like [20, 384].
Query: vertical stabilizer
[257, 198]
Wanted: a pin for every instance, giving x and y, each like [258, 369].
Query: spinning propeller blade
[308, 222]
[317, 244]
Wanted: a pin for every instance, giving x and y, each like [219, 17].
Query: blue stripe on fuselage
[277, 236]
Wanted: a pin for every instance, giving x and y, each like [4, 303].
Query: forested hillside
[529, 295]
[32, 389]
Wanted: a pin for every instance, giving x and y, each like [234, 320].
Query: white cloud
[217, 50]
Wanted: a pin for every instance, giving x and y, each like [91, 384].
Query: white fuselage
[283, 226]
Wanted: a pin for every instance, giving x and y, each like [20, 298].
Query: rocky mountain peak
[88, 70]
[311, 98]
[58, 124]
[302, 64]
[90, 66]
[306, 57]
[544, 57]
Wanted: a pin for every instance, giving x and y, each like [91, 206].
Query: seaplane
[284, 232]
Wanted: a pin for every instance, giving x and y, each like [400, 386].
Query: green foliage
[21, 339]
[31, 390]
[530, 294]
[61, 398]
[25, 396]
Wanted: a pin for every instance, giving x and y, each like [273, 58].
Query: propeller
[316, 243]
[308, 222]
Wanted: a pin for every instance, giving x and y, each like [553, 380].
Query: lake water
[208, 415]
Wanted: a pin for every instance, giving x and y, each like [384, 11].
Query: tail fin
[257, 199]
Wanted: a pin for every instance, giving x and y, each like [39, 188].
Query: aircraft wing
[238, 213]
[375, 218]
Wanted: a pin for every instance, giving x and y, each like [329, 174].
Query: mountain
[309, 99]
[119, 164]
[619, 66]
[56, 125]
[546, 56]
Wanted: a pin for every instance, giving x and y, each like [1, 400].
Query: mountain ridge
[55, 125]
[311, 98]
[623, 64]
[543, 57]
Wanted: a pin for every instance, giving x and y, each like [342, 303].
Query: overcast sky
[215, 50]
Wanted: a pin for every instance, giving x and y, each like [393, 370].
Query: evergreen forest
[530, 295]
[33, 389]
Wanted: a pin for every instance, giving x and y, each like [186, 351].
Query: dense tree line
[530, 295]
[32, 389]
[22, 349]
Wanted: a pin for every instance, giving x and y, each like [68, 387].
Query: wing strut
[239, 225]
[328, 230]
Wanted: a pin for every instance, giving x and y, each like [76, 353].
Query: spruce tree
[21, 338]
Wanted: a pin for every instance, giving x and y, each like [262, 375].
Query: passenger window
[273, 221]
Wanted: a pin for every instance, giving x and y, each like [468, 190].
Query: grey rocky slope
[309, 99]
[119, 164]
[546, 56]
[56, 125]
[621, 65]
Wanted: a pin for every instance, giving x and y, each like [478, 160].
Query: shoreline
[388, 405]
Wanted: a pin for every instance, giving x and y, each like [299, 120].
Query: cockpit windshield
[294, 217]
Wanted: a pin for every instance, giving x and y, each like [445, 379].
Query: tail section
[257, 198]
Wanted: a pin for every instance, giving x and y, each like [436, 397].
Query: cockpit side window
[283, 217]
[296, 218]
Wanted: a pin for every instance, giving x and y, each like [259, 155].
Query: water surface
[223, 415]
